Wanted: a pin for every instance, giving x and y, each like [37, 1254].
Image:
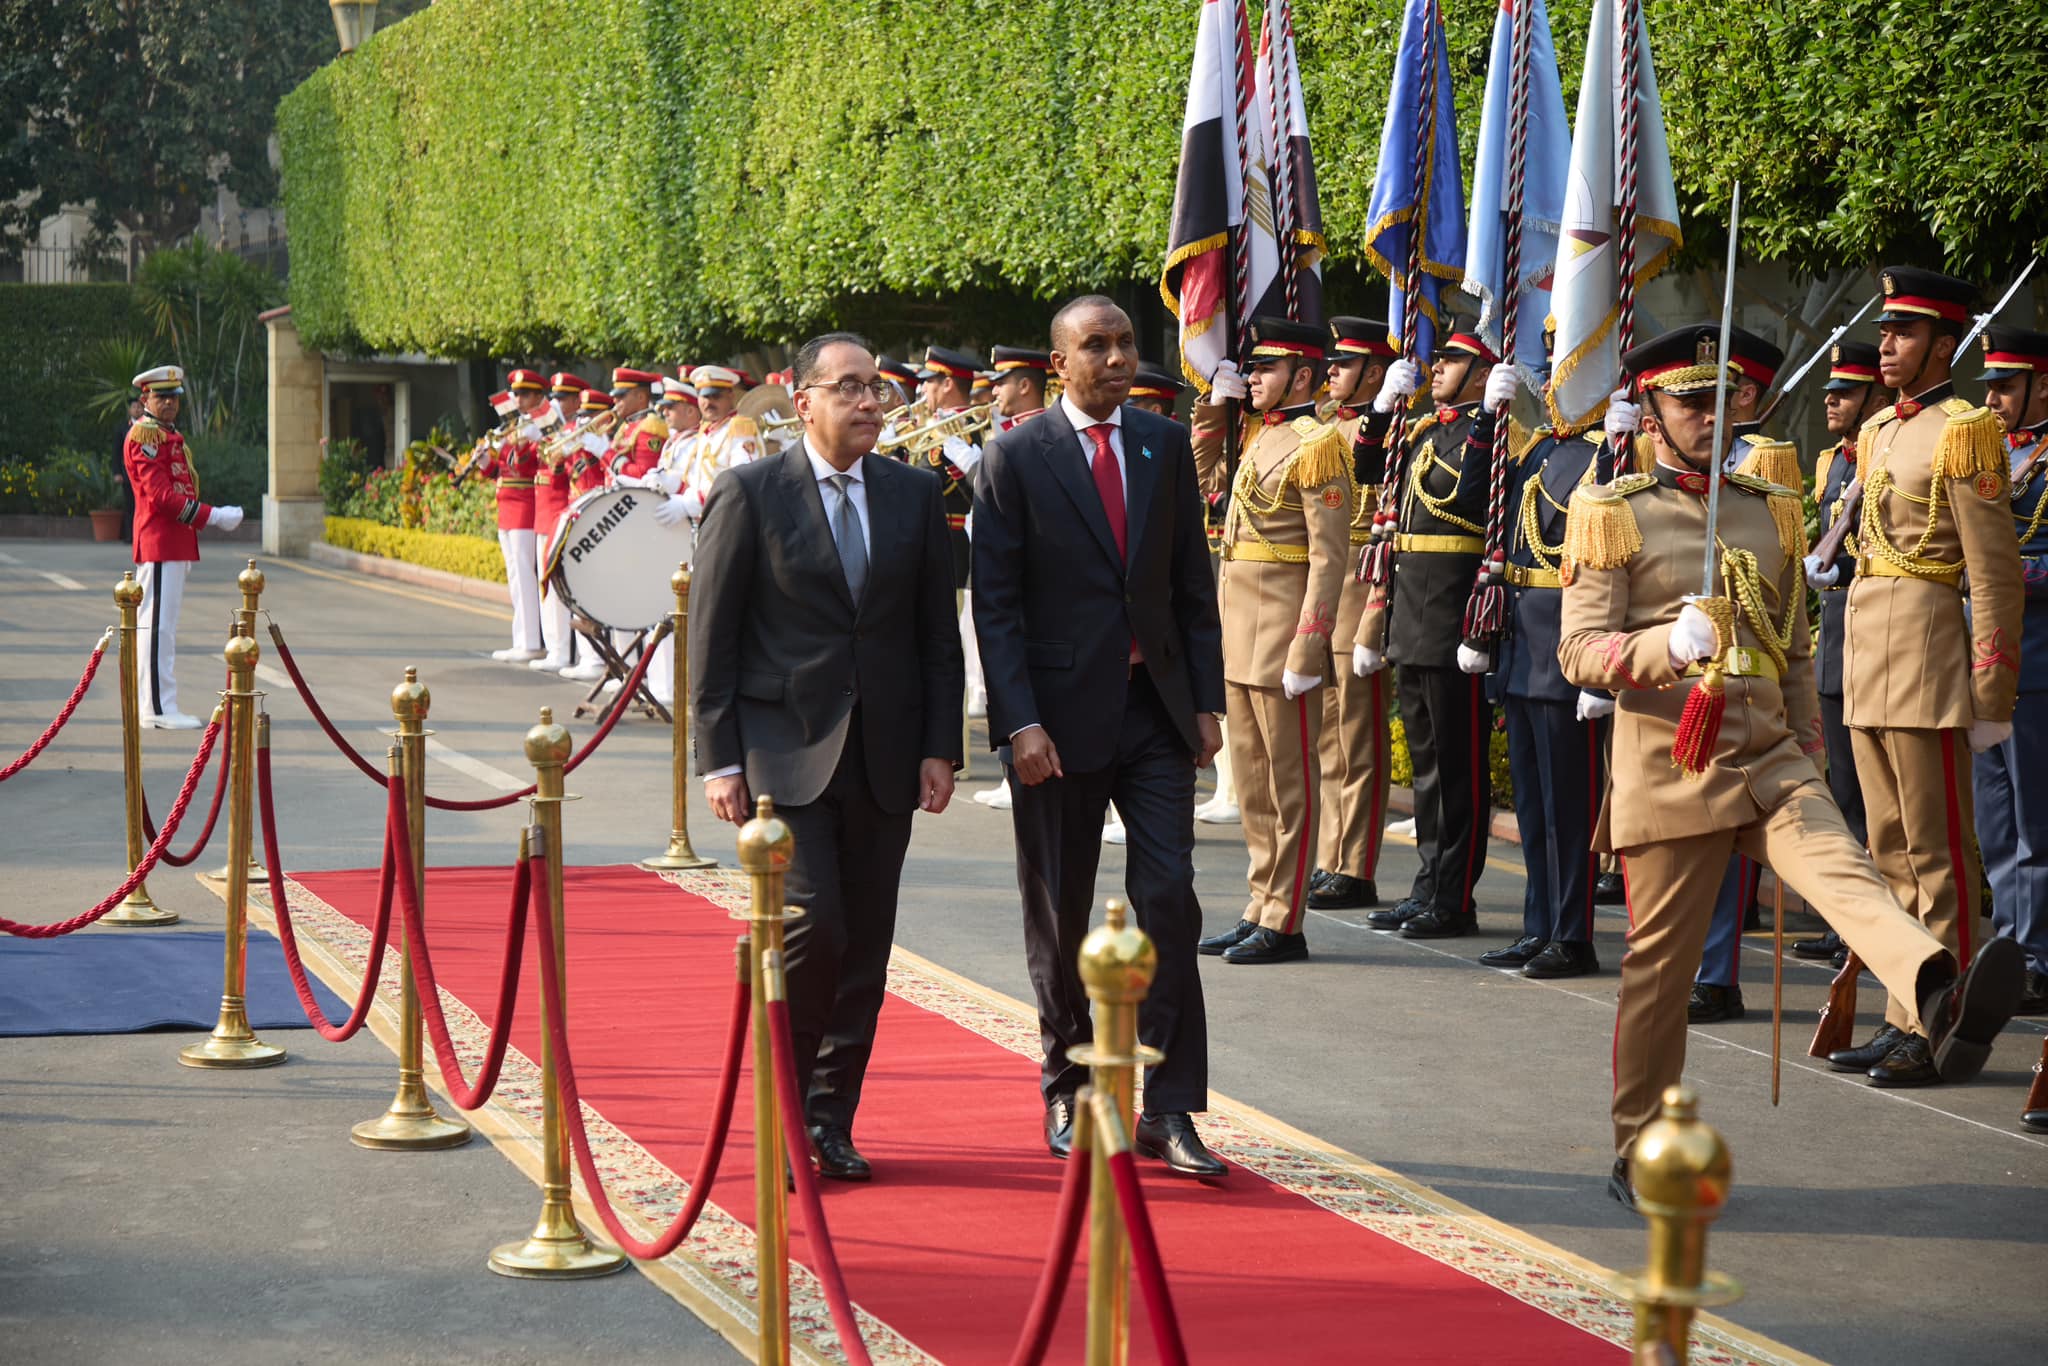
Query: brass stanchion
[557, 1249]
[233, 1043]
[136, 908]
[765, 846]
[1118, 962]
[1680, 1170]
[250, 581]
[411, 1124]
[679, 855]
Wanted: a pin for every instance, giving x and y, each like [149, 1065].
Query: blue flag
[1418, 125]
[1547, 155]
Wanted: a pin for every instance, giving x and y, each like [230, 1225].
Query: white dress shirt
[1082, 422]
[824, 473]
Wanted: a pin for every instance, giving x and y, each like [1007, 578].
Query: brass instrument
[773, 412]
[492, 440]
[925, 441]
[555, 449]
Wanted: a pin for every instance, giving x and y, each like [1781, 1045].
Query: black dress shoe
[1217, 943]
[2037, 1120]
[1438, 923]
[832, 1149]
[1818, 950]
[1172, 1139]
[1617, 1183]
[1059, 1126]
[1515, 954]
[1317, 878]
[1963, 1018]
[1268, 946]
[1609, 890]
[2034, 995]
[1395, 916]
[1869, 1055]
[1841, 958]
[1711, 1004]
[1563, 958]
[1910, 1064]
[1341, 891]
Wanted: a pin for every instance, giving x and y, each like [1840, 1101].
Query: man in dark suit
[826, 673]
[1099, 637]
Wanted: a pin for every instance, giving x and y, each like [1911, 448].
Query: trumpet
[492, 440]
[557, 448]
[927, 439]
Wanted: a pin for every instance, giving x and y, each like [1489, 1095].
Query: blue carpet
[123, 982]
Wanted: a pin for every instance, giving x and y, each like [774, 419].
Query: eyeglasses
[853, 390]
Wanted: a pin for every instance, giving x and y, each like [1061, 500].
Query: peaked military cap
[2010, 351]
[1751, 355]
[1284, 339]
[1911, 294]
[164, 379]
[1465, 341]
[1004, 359]
[1153, 382]
[1851, 364]
[940, 361]
[1680, 361]
[1360, 337]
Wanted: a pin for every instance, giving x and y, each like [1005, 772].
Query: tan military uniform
[1286, 550]
[1633, 550]
[1918, 669]
[1355, 743]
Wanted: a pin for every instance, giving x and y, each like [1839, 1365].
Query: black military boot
[1711, 1004]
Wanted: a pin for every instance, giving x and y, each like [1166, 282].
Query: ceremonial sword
[1785, 390]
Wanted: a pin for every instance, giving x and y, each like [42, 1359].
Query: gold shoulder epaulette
[1825, 470]
[1775, 462]
[1881, 416]
[1788, 511]
[742, 425]
[1763, 488]
[1628, 485]
[1600, 530]
[654, 426]
[1420, 425]
[1972, 443]
[1322, 456]
[1522, 439]
[145, 431]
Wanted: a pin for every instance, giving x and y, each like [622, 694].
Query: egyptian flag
[1219, 143]
[1286, 174]
[1585, 298]
[1421, 123]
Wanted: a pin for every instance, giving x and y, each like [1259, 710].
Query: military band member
[1018, 390]
[1154, 390]
[168, 516]
[586, 458]
[684, 416]
[638, 433]
[515, 465]
[1924, 676]
[946, 384]
[1632, 555]
[1850, 396]
[1417, 622]
[2011, 777]
[1355, 742]
[1286, 549]
[553, 491]
[725, 438]
[900, 376]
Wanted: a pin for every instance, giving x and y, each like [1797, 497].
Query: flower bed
[468, 556]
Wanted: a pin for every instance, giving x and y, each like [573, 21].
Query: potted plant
[101, 491]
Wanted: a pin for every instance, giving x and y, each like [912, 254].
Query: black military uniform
[957, 470]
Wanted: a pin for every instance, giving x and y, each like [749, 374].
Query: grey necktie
[853, 551]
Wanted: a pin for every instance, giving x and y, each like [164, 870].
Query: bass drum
[611, 560]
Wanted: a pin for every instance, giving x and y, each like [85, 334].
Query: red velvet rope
[816, 1234]
[1059, 1261]
[149, 858]
[554, 1006]
[466, 1095]
[354, 756]
[28, 756]
[380, 933]
[1145, 1261]
[220, 787]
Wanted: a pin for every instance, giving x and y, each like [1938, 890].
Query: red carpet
[945, 1245]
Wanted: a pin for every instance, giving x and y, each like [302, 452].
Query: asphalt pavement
[161, 1214]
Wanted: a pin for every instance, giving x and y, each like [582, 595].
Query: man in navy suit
[1096, 614]
[826, 673]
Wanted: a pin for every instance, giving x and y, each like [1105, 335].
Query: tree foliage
[680, 174]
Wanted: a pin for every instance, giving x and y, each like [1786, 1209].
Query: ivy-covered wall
[654, 176]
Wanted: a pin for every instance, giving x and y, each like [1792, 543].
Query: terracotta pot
[106, 524]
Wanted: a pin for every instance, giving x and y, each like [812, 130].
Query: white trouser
[968, 648]
[517, 548]
[661, 672]
[156, 636]
[1226, 788]
[558, 638]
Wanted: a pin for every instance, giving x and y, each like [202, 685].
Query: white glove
[224, 518]
[669, 511]
[1692, 637]
[1593, 705]
[963, 454]
[1397, 387]
[529, 432]
[1501, 383]
[1298, 685]
[1985, 734]
[1816, 577]
[659, 480]
[1227, 383]
[1624, 419]
[595, 444]
[1366, 661]
[1471, 661]
[693, 503]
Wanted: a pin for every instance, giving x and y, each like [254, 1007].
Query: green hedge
[469, 556]
[48, 334]
[450, 194]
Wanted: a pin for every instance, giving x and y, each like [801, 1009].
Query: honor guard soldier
[1691, 786]
[1416, 620]
[1286, 550]
[1355, 742]
[515, 465]
[1850, 396]
[2011, 777]
[1755, 364]
[1153, 387]
[553, 490]
[947, 382]
[1154, 390]
[1928, 679]
[1018, 390]
[168, 515]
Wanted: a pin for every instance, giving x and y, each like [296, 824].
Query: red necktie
[1109, 482]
